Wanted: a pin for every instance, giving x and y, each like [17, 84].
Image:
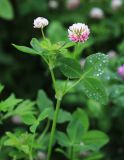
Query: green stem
[43, 33]
[65, 86]
[45, 130]
[76, 51]
[45, 60]
[72, 153]
[30, 157]
[14, 158]
[53, 78]
[53, 129]
[67, 90]
[30, 154]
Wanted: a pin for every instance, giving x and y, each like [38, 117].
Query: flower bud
[40, 22]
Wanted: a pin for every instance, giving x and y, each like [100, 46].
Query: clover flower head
[53, 4]
[72, 4]
[78, 32]
[112, 54]
[41, 155]
[115, 4]
[16, 120]
[40, 22]
[121, 71]
[96, 13]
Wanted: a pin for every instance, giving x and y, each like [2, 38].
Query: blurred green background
[25, 75]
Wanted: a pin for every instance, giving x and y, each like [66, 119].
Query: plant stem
[31, 157]
[68, 89]
[72, 153]
[53, 78]
[14, 158]
[43, 33]
[76, 51]
[45, 130]
[53, 128]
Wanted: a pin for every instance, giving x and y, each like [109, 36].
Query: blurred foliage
[25, 75]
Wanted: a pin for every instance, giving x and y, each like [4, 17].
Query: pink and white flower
[41, 155]
[121, 71]
[112, 54]
[115, 4]
[16, 120]
[53, 4]
[72, 4]
[78, 32]
[40, 22]
[96, 13]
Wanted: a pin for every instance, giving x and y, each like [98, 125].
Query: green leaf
[28, 119]
[46, 44]
[69, 67]
[81, 147]
[25, 49]
[25, 108]
[56, 27]
[36, 45]
[12, 140]
[1, 88]
[95, 156]
[43, 101]
[96, 139]
[94, 89]
[34, 126]
[95, 108]
[95, 64]
[63, 139]
[44, 114]
[31, 120]
[18, 140]
[6, 10]
[75, 131]
[78, 126]
[9, 103]
[81, 116]
[68, 45]
[64, 116]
